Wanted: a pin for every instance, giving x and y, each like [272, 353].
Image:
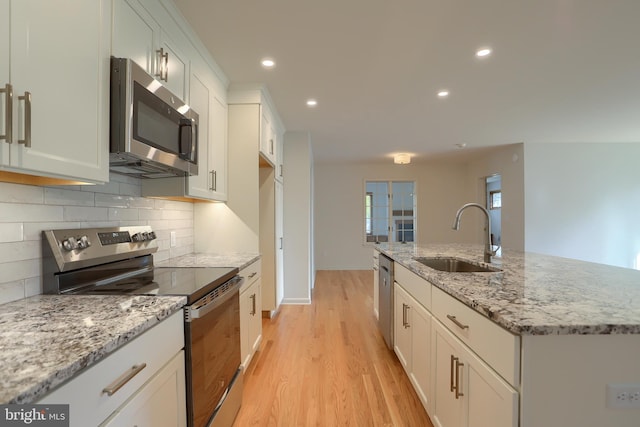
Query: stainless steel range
[119, 260]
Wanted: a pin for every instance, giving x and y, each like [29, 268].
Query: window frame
[392, 231]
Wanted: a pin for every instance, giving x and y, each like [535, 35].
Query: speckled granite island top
[47, 339]
[239, 260]
[535, 294]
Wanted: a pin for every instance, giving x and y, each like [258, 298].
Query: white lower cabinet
[376, 282]
[146, 378]
[467, 392]
[250, 312]
[464, 368]
[412, 332]
[159, 403]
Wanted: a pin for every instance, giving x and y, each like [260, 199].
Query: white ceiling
[561, 70]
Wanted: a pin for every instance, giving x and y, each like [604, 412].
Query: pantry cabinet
[250, 312]
[54, 107]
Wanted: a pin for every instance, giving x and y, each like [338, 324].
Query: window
[495, 199]
[389, 211]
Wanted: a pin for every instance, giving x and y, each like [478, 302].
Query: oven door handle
[203, 310]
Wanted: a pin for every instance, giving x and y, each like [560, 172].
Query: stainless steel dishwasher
[385, 301]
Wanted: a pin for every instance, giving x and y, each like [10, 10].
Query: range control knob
[138, 237]
[83, 242]
[70, 243]
[152, 235]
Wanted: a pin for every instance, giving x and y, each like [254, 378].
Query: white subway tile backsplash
[19, 251]
[12, 212]
[17, 193]
[11, 232]
[25, 211]
[11, 291]
[79, 213]
[20, 270]
[58, 196]
[33, 230]
[120, 214]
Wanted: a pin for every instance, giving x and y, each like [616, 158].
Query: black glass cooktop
[192, 282]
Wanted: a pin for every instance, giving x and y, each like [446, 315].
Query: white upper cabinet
[137, 35]
[59, 114]
[176, 58]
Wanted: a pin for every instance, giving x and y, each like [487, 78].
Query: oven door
[213, 350]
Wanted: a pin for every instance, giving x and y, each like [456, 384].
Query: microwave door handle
[185, 138]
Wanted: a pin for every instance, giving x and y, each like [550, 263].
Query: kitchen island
[554, 336]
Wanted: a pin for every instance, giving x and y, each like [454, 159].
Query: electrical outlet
[172, 239]
[623, 395]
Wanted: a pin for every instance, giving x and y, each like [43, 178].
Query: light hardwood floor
[326, 364]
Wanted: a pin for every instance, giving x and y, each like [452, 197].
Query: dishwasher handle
[214, 299]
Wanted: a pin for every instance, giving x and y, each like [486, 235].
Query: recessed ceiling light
[443, 93]
[461, 146]
[268, 63]
[483, 52]
[311, 102]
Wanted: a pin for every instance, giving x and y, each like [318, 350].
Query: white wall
[509, 162]
[339, 207]
[25, 211]
[299, 267]
[582, 201]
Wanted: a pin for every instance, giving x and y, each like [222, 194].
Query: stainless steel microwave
[153, 133]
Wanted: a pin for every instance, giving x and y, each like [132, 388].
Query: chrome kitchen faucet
[488, 252]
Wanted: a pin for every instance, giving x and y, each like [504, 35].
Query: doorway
[493, 202]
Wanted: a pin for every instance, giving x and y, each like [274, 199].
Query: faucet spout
[488, 251]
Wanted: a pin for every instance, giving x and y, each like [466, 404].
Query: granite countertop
[535, 294]
[239, 260]
[47, 339]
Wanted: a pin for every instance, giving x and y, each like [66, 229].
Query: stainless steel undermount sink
[455, 265]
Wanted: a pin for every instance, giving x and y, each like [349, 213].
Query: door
[402, 327]
[135, 34]
[213, 353]
[447, 409]
[493, 191]
[4, 79]
[60, 67]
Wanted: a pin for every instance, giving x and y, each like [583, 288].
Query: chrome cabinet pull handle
[8, 113]
[451, 384]
[27, 119]
[123, 379]
[253, 302]
[211, 176]
[457, 322]
[252, 275]
[281, 242]
[458, 365]
[162, 62]
[215, 180]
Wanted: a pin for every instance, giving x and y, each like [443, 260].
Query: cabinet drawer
[497, 347]
[419, 288]
[250, 273]
[89, 405]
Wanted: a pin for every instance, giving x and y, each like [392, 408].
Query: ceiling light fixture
[268, 63]
[402, 159]
[312, 103]
[483, 52]
[443, 93]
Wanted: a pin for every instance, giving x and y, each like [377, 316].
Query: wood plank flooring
[326, 364]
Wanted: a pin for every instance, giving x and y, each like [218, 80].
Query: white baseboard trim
[296, 301]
